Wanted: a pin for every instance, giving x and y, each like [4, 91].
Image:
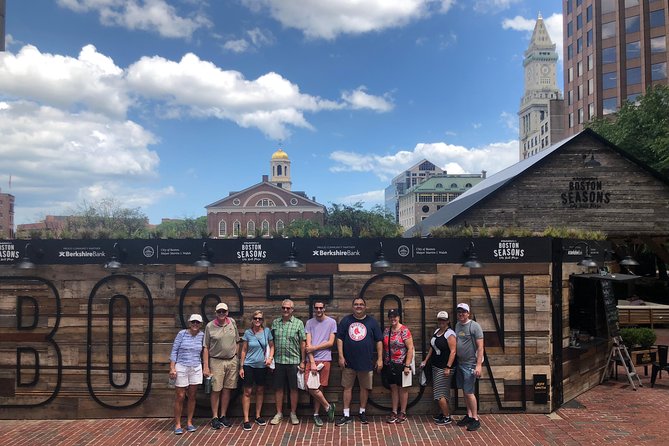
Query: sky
[170, 105]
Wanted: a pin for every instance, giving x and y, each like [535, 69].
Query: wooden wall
[64, 323]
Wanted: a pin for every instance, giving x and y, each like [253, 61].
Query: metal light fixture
[203, 261]
[114, 261]
[628, 261]
[472, 258]
[381, 261]
[592, 162]
[292, 258]
[25, 262]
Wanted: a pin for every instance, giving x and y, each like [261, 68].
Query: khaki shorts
[224, 373]
[364, 378]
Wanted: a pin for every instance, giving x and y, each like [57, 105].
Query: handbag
[313, 381]
[271, 365]
[300, 380]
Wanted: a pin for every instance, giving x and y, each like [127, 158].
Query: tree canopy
[641, 128]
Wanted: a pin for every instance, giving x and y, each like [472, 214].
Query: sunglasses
[257, 319]
[195, 322]
[286, 308]
[319, 308]
[221, 311]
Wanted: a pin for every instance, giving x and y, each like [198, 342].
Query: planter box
[643, 357]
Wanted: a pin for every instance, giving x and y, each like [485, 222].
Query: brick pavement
[611, 414]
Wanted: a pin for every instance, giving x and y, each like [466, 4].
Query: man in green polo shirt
[289, 356]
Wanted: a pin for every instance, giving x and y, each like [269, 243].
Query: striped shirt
[287, 339]
[187, 349]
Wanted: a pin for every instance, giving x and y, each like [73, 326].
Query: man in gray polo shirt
[469, 338]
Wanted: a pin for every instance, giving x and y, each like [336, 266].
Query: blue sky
[169, 105]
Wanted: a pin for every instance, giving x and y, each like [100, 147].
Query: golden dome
[280, 155]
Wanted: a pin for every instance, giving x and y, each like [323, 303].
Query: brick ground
[611, 414]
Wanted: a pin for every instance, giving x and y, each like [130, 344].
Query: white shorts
[188, 376]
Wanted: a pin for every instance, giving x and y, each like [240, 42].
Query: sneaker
[401, 417]
[473, 425]
[363, 418]
[344, 420]
[443, 421]
[294, 419]
[215, 423]
[276, 419]
[260, 421]
[191, 428]
[317, 421]
[225, 422]
[331, 413]
[178, 431]
[464, 421]
[246, 426]
[392, 418]
[437, 417]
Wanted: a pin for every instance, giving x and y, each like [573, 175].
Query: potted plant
[639, 341]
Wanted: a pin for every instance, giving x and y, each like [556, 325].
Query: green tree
[106, 218]
[641, 128]
[358, 222]
[183, 228]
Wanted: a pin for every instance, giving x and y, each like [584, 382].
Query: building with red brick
[6, 216]
[265, 208]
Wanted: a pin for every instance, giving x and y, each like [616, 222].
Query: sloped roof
[300, 194]
[485, 188]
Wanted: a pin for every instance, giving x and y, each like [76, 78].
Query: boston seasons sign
[268, 251]
[585, 193]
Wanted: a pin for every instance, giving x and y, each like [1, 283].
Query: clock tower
[541, 97]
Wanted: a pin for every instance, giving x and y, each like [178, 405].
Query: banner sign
[277, 250]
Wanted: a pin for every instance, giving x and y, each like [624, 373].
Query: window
[578, 3]
[591, 86]
[580, 116]
[609, 80]
[579, 92]
[570, 52]
[588, 14]
[579, 45]
[454, 186]
[609, 55]
[236, 228]
[609, 105]
[630, 3]
[657, 18]
[633, 50]
[571, 120]
[588, 38]
[608, 30]
[439, 186]
[569, 97]
[591, 110]
[590, 61]
[264, 227]
[251, 228]
[658, 71]
[658, 44]
[279, 226]
[608, 6]
[570, 74]
[632, 24]
[633, 97]
[633, 76]
[579, 21]
[425, 209]
[569, 6]
[222, 228]
[265, 203]
[570, 29]
[468, 185]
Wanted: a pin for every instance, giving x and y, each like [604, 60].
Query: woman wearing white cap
[186, 370]
[442, 354]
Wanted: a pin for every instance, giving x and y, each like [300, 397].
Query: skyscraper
[613, 51]
[541, 116]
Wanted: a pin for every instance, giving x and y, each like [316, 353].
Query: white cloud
[369, 199]
[92, 80]
[146, 15]
[255, 38]
[237, 46]
[329, 18]
[56, 155]
[455, 159]
[477, 125]
[359, 99]
[510, 120]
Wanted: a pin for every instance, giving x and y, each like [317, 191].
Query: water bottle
[207, 385]
[172, 382]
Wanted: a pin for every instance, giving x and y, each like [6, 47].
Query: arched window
[265, 203]
[468, 185]
[236, 228]
[251, 228]
[439, 186]
[278, 170]
[265, 227]
[222, 229]
[454, 186]
[279, 226]
[285, 170]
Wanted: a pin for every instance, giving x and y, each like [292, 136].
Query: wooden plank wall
[160, 296]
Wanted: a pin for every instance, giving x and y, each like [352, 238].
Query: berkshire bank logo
[336, 251]
[87, 252]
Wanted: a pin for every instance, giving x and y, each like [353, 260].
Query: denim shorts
[465, 378]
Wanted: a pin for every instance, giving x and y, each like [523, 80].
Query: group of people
[290, 348]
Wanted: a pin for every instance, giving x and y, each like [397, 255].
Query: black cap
[393, 312]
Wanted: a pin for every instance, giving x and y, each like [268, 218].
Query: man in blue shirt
[357, 336]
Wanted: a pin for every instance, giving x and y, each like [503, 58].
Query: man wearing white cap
[469, 339]
[221, 362]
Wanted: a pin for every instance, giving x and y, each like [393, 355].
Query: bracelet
[449, 367]
[407, 366]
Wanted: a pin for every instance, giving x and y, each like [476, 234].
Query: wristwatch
[449, 367]
[407, 366]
